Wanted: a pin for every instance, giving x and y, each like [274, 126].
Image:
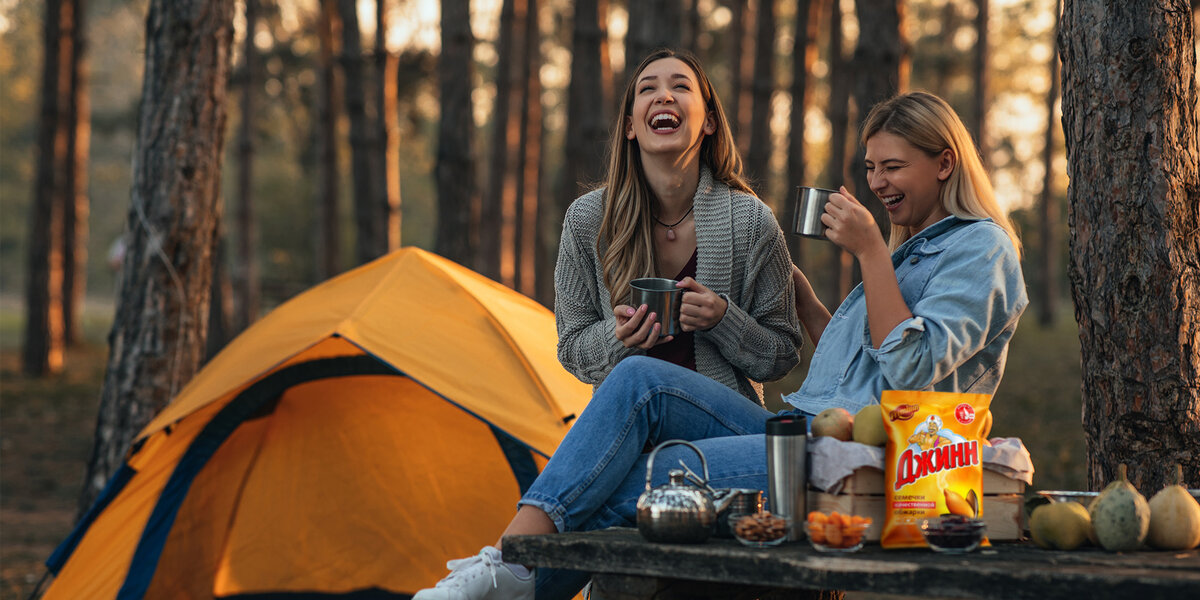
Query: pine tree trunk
[75, 191]
[244, 274]
[980, 101]
[329, 180]
[498, 214]
[366, 214]
[758, 159]
[43, 342]
[454, 171]
[880, 71]
[158, 333]
[1048, 206]
[838, 274]
[653, 24]
[589, 106]
[742, 63]
[530, 147]
[1130, 121]
[388, 134]
[804, 55]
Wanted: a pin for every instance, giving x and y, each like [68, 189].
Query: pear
[868, 426]
[1174, 517]
[1060, 525]
[1120, 515]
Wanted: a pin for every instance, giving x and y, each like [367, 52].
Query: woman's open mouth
[664, 122]
[892, 202]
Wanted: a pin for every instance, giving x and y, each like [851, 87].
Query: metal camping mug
[787, 470]
[810, 205]
[660, 297]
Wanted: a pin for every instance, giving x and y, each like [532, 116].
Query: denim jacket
[962, 281]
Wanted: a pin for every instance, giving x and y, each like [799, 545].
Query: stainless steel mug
[787, 470]
[810, 205]
[662, 298]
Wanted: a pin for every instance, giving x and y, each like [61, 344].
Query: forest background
[1021, 142]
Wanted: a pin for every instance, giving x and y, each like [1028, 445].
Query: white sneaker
[481, 577]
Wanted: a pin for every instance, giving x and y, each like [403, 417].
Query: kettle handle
[650, 461]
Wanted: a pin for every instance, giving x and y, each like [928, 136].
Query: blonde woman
[936, 312]
[675, 205]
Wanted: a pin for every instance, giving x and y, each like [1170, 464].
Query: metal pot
[679, 511]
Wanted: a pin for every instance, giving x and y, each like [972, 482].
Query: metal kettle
[681, 511]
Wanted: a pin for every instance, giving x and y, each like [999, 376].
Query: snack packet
[932, 464]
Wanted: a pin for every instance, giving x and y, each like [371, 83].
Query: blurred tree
[652, 24]
[455, 167]
[75, 199]
[840, 269]
[742, 62]
[589, 102]
[529, 241]
[692, 28]
[1048, 205]
[158, 334]
[980, 100]
[758, 156]
[804, 55]
[880, 66]
[498, 213]
[329, 179]
[388, 132]
[43, 344]
[370, 240]
[244, 274]
[1133, 154]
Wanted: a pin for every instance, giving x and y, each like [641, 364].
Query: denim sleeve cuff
[905, 334]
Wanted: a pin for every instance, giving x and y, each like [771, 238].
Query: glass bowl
[759, 530]
[1083, 498]
[953, 534]
[834, 532]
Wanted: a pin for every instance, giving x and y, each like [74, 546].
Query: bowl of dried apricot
[836, 532]
[760, 529]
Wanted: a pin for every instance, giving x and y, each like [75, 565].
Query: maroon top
[682, 349]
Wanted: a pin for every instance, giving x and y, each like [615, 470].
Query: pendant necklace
[671, 227]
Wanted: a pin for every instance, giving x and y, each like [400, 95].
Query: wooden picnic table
[625, 566]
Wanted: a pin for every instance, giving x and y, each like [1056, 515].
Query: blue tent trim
[257, 399]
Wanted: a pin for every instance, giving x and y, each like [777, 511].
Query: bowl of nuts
[835, 532]
[760, 529]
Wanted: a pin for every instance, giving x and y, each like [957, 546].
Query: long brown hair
[931, 125]
[625, 240]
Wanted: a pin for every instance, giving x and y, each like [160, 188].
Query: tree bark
[653, 24]
[804, 55]
[758, 159]
[75, 191]
[1130, 123]
[245, 278]
[528, 234]
[982, 78]
[158, 334]
[329, 178]
[498, 215]
[1048, 206]
[43, 343]
[742, 65]
[839, 271]
[368, 228]
[388, 133]
[881, 71]
[454, 171]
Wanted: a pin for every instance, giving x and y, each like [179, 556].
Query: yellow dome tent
[350, 442]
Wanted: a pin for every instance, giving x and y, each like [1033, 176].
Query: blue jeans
[598, 471]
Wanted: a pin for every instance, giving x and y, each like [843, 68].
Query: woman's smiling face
[669, 114]
[907, 180]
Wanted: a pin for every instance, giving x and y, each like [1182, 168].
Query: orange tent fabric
[352, 441]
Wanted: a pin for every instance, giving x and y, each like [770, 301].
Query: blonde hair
[625, 240]
[931, 125]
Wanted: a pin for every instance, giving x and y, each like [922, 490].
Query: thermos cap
[787, 425]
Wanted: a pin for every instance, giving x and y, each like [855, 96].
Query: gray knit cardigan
[742, 256]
